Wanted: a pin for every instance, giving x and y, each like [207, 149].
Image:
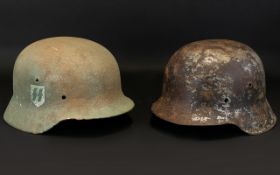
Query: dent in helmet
[214, 82]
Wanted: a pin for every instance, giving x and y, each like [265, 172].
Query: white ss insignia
[37, 94]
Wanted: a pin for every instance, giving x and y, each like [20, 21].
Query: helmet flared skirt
[27, 117]
[253, 120]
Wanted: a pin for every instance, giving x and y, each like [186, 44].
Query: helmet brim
[253, 120]
[28, 118]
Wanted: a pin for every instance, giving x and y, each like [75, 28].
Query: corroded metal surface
[214, 82]
[64, 78]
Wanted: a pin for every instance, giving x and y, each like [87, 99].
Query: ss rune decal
[37, 94]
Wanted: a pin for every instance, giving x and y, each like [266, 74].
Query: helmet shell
[64, 78]
[215, 82]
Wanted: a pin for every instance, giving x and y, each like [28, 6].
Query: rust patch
[213, 82]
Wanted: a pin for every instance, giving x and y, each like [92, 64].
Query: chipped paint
[209, 60]
[248, 68]
[216, 82]
[222, 119]
[218, 55]
[200, 119]
[237, 112]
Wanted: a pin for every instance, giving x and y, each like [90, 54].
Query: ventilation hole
[63, 97]
[250, 85]
[37, 79]
[226, 100]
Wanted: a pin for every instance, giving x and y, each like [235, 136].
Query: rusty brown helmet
[214, 82]
[62, 78]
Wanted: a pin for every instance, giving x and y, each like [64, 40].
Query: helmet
[62, 78]
[215, 82]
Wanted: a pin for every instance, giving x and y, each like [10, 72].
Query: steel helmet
[62, 78]
[214, 82]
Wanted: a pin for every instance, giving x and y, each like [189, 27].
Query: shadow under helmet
[62, 78]
[215, 82]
